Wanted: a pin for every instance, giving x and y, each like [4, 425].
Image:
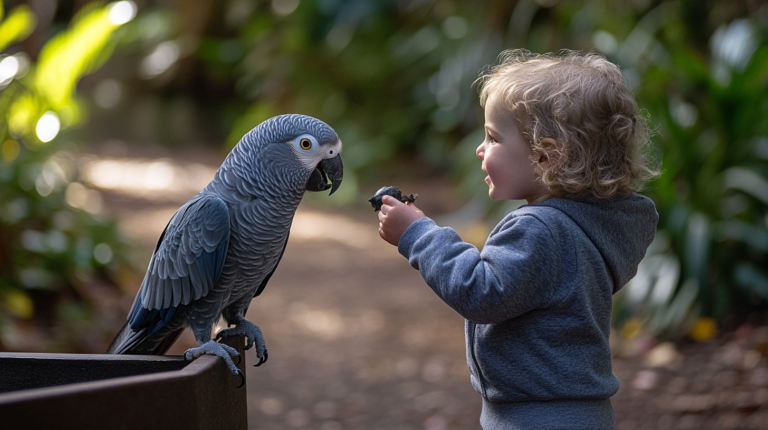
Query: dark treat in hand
[375, 201]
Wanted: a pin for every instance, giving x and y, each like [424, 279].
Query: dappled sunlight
[309, 225]
[64, 59]
[47, 127]
[145, 225]
[167, 182]
[147, 178]
[122, 12]
[161, 59]
[46, 103]
[170, 184]
[12, 67]
[80, 197]
[327, 323]
[330, 323]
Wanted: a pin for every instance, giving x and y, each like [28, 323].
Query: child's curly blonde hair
[582, 102]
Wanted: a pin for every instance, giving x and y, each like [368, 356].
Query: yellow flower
[704, 329]
[631, 328]
[18, 303]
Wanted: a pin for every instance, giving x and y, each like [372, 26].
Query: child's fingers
[383, 232]
[391, 201]
[388, 203]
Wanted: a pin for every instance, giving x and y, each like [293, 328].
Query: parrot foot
[262, 360]
[252, 334]
[213, 348]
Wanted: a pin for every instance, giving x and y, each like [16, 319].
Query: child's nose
[480, 151]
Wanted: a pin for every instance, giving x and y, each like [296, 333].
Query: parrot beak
[329, 168]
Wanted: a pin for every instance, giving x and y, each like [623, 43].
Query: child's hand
[395, 217]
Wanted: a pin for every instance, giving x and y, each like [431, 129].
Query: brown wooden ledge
[95, 391]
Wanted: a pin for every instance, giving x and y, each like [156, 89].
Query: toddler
[564, 133]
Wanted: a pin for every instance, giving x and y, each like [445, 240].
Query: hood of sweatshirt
[621, 229]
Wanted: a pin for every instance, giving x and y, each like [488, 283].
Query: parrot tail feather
[128, 341]
[119, 339]
[168, 341]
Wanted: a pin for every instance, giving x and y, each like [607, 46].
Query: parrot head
[305, 150]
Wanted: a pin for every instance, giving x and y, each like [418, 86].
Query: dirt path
[357, 341]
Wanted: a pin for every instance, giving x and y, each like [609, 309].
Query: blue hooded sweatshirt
[537, 302]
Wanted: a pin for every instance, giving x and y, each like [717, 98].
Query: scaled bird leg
[252, 334]
[214, 348]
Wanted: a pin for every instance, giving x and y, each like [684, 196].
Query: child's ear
[550, 148]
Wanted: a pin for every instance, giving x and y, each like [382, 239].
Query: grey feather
[198, 229]
[196, 282]
[177, 295]
[186, 289]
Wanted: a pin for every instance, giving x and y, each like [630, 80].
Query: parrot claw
[213, 348]
[262, 360]
[253, 335]
[242, 378]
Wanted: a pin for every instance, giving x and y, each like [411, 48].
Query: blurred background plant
[395, 80]
[704, 87]
[59, 253]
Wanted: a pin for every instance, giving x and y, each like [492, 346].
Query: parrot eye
[305, 143]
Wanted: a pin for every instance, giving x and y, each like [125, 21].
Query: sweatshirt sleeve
[515, 273]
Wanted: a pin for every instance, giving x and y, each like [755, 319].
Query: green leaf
[73, 53]
[19, 24]
[756, 237]
[746, 180]
[752, 280]
[697, 241]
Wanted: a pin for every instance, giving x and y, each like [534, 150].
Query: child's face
[507, 158]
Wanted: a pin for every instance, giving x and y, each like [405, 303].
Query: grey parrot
[220, 249]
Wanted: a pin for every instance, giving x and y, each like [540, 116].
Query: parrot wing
[187, 262]
[266, 279]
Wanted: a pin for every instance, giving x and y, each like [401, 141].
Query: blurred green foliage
[16, 26]
[396, 81]
[709, 101]
[372, 69]
[56, 245]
